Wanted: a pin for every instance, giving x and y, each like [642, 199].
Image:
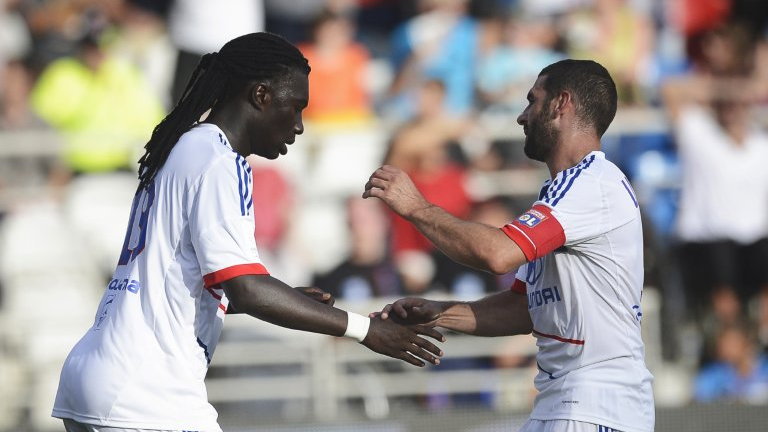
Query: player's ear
[259, 95]
[561, 102]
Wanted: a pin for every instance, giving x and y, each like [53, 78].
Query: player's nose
[298, 127]
[522, 118]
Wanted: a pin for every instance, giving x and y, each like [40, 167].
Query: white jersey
[724, 186]
[142, 363]
[584, 280]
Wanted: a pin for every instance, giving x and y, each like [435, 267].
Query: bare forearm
[458, 316]
[502, 314]
[271, 300]
[469, 243]
[231, 310]
[678, 92]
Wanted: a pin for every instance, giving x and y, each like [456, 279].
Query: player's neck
[571, 149]
[229, 120]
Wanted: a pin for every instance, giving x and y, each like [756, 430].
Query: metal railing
[256, 361]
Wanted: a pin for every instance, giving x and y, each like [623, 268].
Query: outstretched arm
[705, 89]
[473, 244]
[503, 314]
[312, 292]
[269, 299]
[500, 314]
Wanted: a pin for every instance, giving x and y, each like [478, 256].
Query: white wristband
[357, 326]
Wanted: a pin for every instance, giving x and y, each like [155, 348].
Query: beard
[541, 138]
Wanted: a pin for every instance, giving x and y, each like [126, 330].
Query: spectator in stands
[739, 372]
[618, 34]
[437, 44]
[519, 47]
[337, 87]
[15, 78]
[368, 271]
[422, 148]
[694, 17]
[100, 104]
[36, 33]
[141, 37]
[722, 152]
[55, 27]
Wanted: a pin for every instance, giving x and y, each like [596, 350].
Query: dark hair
[592, 87]
[255, 56]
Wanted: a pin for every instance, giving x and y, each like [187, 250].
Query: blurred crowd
[434, 87]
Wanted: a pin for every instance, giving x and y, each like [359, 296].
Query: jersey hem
[602, 421]
[130, 424]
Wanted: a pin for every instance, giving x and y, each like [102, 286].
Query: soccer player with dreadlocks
[189, 254]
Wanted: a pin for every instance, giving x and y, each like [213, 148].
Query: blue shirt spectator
[437, 44]
[739, 374]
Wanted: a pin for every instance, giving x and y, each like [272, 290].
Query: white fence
[329, 371]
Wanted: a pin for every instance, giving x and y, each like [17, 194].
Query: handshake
[396, 331]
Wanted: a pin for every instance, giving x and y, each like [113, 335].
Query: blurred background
[434, 87]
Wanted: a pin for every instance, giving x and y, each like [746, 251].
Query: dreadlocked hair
[253, 56]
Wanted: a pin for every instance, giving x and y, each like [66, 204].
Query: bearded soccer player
[578, 252]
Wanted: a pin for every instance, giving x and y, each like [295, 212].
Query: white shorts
[563, 426]
[75, 426]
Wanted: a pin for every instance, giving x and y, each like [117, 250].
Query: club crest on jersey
[531, 218]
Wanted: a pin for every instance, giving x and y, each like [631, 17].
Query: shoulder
[608, 172]
[595, 188]
[202, 148]
[575, 184]
[616, 192]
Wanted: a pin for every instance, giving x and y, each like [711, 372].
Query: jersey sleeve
[537, 232]
[222, 224]
[572, 209]
[519, 285]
